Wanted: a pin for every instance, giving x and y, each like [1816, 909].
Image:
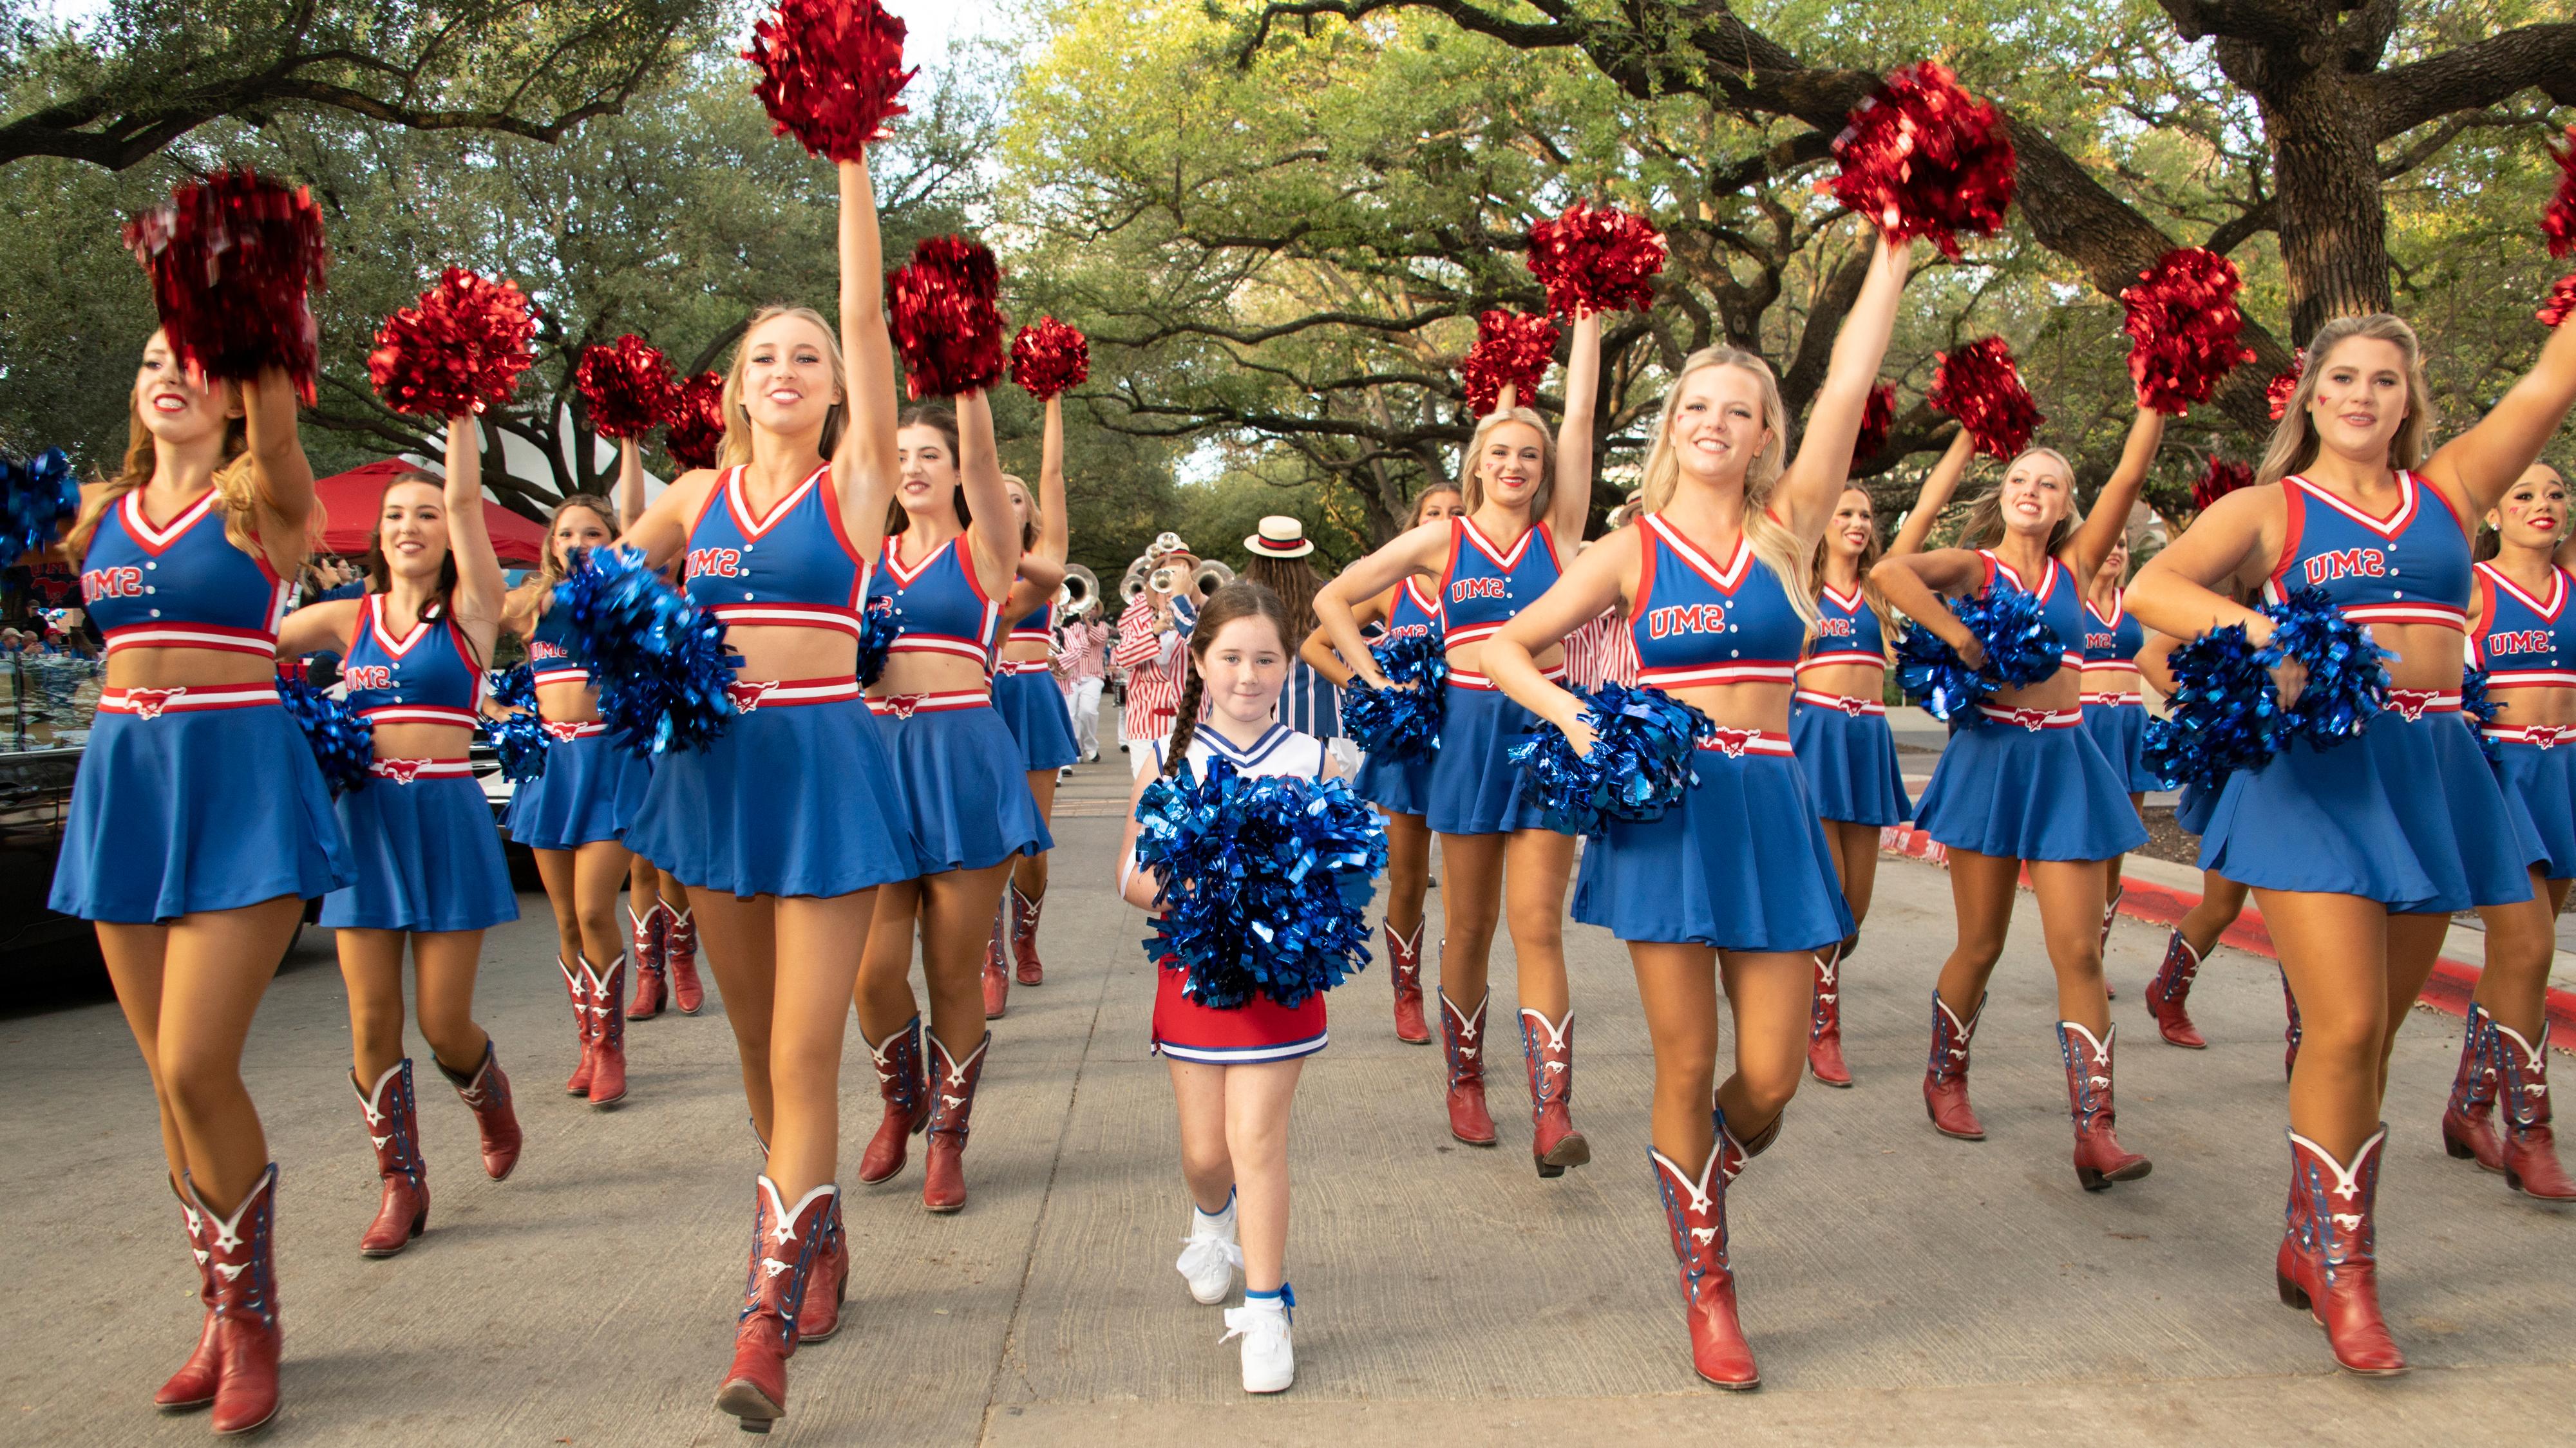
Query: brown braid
[1243, 598]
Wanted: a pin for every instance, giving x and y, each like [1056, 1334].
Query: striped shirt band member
[1156, 664]
[1310, 704]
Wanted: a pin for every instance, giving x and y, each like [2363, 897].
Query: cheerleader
[1234, 1072]
[1489, 565]
[2115, 711]
[2359, 853]
[200, 824]
[787, 825]
[1400, 788]
[2026, 787]
[429, 868]
[937, 591]
[662, 935]
[1735, 883]
[1026, 696]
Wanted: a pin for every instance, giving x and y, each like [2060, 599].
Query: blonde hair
[236, 493]
[1028, 528]
[1773, 541]
[1985, 525]
[2294, 437]
[737, 417]
[1423, 499]
[1471, 485]
[540, 583]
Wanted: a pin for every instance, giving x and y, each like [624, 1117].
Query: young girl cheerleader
[937, 590]
[429, 868]
[1400, 788]
[1487, 567]
[1838, 723]
[2026, 787]
[2115, 712]
[1031, 706]
[200, 823]
[786, 825]
[1234, 1072]
[2358, 854]
[1735, 883]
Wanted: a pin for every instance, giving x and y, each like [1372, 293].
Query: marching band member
[1151, 636]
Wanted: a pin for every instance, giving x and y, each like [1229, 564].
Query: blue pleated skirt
[2192, 808]
[2028, 794]
[1033, 709]
[2120, 732]
[2409, 815]
[428, 858]
[1475, 789]
[1400, 786]
[197, 809]
[1738, 863]
[793, 800]
[960, 776]
[590, 791]
[2541, 784]
[1850, 764]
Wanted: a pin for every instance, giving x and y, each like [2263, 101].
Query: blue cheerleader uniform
[1031, 706]
[1843, 743]
[2529, 644]
[2409, 814]
[1740, 861]
[2114, 714]
[1260, 1029]
[420, 831]
[1475, 789]
[955, 760]
[1403, 786]
[798, 796]
[196, 797]
[2030, 784]
[591, 789]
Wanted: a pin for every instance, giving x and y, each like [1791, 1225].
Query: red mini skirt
[1259, 1030]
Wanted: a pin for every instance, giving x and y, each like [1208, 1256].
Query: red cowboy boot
[1825, 1021]
[997, 965]
[486, 1093]
[2099, 1161]
[1695, 1214]
[830, 1285]
[1404, 966]
[2328, 1262]
[2291, 1031]
[793, 1243]
[680, 957]
[2169, 995]
[2468, 1119]
[1464, 1037]
[608, 1034]
[952, 1108]
[1024, 934]
[193, 1385]
[1548, 1048]
[646, 931]
[393, 1124]
[907, 1102]
[241, 1261]
[1945, 1078]
[2110, 912]
[577, 986]
[2530, 1148]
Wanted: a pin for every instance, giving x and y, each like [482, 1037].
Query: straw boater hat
[1279, 538]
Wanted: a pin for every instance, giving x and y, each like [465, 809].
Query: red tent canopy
[351, 500]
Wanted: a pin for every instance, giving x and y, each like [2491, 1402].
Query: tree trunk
[2325, 172]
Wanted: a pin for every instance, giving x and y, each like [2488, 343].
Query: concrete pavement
[1900, 1288]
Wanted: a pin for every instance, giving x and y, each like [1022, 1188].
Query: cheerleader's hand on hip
[2289, 677]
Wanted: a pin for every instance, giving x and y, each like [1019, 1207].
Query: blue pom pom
[37, 495]
[2223, 715]
[514, 687]
[344, 743]
[1400, 723]
[663, 671]
[877, 632]
[2021, 650]
[2347, 673]
[1265, 882]
[520, 740]
[1644, 745]
[2480, 711]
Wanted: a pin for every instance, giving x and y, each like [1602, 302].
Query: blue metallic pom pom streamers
[1644, 741]
[344, 744]
[514, 687]
[663, 670]
[519, 737]
[1266, 882]
[1401, 723]
[37, 496]
[2480, 710]
[2020, 651]
[877, 630]
[2223, 715]
[2347, 674]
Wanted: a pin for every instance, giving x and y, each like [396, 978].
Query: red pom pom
[830, 70]
[2558, 223]
[1050, 358]
[697, 423]
[1922, 157]
[2561, 304]
[459, 351]
[1513, 348]
[1877, 417]
[2284, 387]
[1601, 260]
[944, 319]
[626, 387]
[233, 260]
[1980, 385]
[2218, 480]
[2183, 327]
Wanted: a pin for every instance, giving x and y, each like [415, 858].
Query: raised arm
[663, 529]
[995, 532]
[2487, 459]
[1423, 550]
[863, 468]
[1804, 497]
[1055, 530]
[1938, 485]
[2110, 516]
[1318, 651]
[318, 626]
[1570, 505]
[479, 592]
[1605, 575]
[630, 483]
[280, 472]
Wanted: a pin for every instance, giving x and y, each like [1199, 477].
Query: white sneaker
[1210, 1256]
[1269, 1361]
